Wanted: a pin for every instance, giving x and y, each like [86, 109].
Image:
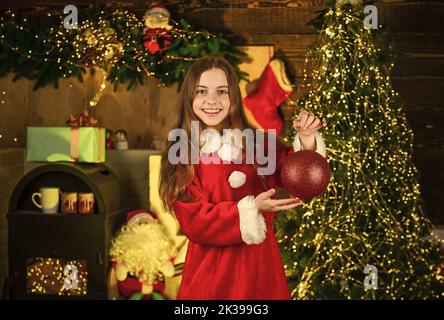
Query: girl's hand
[264, 203]
[306, 124]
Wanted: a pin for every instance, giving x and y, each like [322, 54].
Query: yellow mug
[49, 199]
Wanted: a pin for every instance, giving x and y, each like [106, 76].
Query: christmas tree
[367, 237]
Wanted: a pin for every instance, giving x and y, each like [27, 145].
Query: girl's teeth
[212, 111]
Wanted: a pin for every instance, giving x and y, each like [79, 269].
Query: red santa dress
[232, 252]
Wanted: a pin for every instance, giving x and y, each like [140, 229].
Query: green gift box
[73, 144]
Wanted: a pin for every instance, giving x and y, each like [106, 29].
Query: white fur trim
[121, 272]
[227, 146]
[232, 136]
[228, 152]
[237, 179]
[210, 141]
[142, 217]
[320, 144]
[252, 223]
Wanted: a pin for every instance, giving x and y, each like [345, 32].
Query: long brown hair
[174, 178]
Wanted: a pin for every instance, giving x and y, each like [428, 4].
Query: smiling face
[211, 102]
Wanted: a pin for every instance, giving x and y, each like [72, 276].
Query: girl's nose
[211, 99]
[211, 102]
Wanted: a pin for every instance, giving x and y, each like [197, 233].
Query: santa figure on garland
[156, 34]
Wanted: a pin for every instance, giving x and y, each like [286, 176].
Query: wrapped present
[73, 144]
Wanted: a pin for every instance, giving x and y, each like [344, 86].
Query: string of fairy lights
[110, 42]
[2, 102]
[48, 276]
[371, 213]
[100, 38]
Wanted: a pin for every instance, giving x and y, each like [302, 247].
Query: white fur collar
[230, 149]
[228, 146]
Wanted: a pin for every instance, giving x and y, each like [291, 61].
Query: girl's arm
[319, 144]
[307, 134]
[222, 224]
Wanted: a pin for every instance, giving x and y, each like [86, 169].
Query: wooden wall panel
[413, 17]
[142, 112]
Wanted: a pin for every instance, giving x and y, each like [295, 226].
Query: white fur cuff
[320, 144]
[252, 223]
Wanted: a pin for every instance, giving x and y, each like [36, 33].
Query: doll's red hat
[137, 216]
[159, 6]
[156, 5]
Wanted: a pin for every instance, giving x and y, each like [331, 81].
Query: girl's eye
[200, 91]
[221, 92]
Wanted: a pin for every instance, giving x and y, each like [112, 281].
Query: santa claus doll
[142, 255]
[156, 34]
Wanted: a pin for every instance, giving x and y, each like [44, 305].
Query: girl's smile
[211, 102]
[212, 112]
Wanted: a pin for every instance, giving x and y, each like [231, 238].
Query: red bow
[82, 120]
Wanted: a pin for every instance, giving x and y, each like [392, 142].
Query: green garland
[44, 51]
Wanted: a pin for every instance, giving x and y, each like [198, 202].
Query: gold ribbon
[75, 143]
[75, 148]
[99, 144]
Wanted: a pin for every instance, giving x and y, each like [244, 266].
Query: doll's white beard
[143, 250]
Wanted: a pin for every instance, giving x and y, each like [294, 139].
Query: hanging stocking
[261, 105]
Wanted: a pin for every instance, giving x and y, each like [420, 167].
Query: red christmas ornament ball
[305, 174]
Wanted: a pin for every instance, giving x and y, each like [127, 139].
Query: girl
[226, 209]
